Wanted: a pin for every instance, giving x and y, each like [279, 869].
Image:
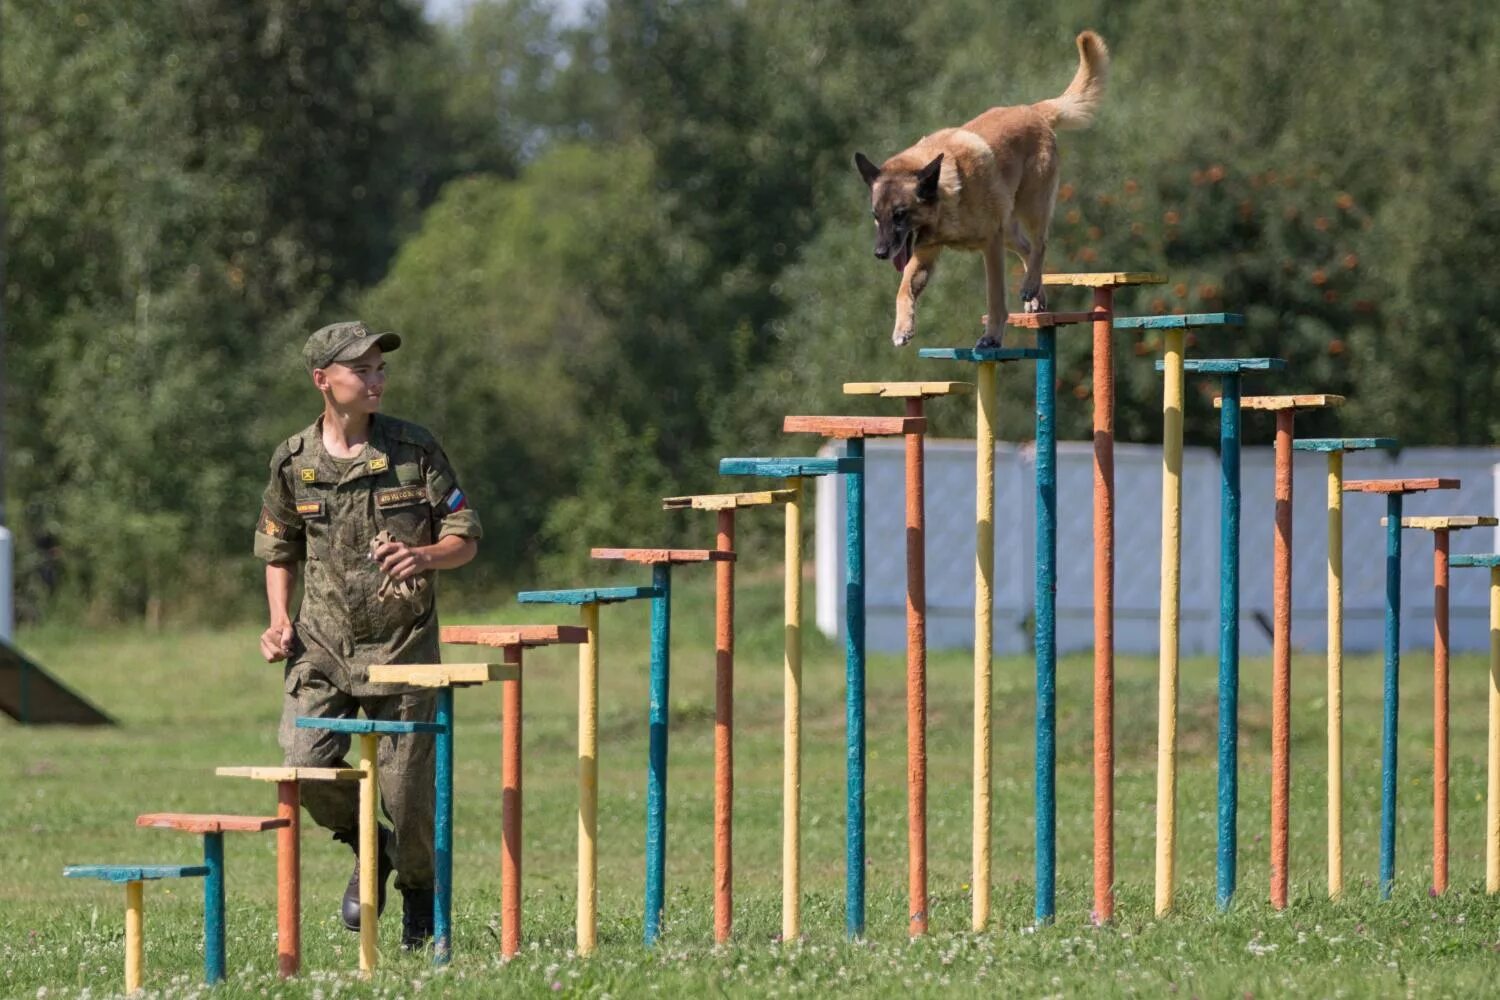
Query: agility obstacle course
[789, 477]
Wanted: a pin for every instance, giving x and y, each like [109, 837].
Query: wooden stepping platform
[34, 697]
[1344, 444]
[1309, 401]
[728, 501]
[908, 390]
[211, 822]
[784, 468]
[438, 675]
[360, 727]
[658, 556]
[1488, 560]
[1398, 485]
[1187, 321]
[501, 636]
[843, 428]
[1105, 279]
[1227, 366]
[279, 774]
[587, 595]
[1048, 320]
[135, 873]
[1452, 522]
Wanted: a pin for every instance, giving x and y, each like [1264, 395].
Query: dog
[977, 187]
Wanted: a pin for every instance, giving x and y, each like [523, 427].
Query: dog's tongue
[900, 257]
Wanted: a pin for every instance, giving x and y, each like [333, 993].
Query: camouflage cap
[344, 342]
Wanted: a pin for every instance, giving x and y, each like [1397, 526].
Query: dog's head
[904, 203]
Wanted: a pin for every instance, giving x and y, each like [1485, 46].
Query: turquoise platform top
[781, 468]
[1344, 444]
[1228, 366]
[135, 873]
[980, 354]
[1178, 322]
[362, 726]
[1490, 559]
[587, 595]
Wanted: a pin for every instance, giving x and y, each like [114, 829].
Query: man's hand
[400, 561]
[276, 641]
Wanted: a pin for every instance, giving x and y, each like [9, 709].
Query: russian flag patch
[455, 501]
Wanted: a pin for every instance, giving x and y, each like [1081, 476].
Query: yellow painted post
[369, 847]
[134, 941]
[1492, 808]
[588, 781]
[1335, 674]
[791, 743]
[1171, 610]
[984, 631]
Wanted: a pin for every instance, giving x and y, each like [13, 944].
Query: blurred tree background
[622, 243]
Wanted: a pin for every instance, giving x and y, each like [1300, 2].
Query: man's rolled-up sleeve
[450, 505]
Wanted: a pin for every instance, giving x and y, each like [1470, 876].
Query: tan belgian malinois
[977, 187]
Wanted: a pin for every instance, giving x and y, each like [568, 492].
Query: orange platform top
[501, 636]
[211, 822]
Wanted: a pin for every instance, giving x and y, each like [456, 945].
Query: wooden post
[1170, 622]
[369, 852]
[916, 681]
[135, 928]
[984, 637]
[1281, 662]
[854, 693]
[1492, 801]
[1335, 674]
[1440, 711]
[724, 731]
[289, 879]
[656, 770]
[442, 829]
[1104, 606]
[1046, 624]
[510, 805]
[588, 782]
[791, 745]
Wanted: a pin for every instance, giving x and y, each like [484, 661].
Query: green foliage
[626, 244]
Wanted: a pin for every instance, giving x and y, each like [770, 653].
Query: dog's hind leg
[994, 286]
[1035, 213]
[1016, 240]
[913, 280]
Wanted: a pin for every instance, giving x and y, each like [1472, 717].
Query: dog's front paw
[986, 342]
[902, 335]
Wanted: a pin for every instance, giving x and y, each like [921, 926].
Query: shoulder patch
[308, 474]
[379, 464]
[269, 525]
[455, 501]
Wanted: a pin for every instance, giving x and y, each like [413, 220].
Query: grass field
[190, 700]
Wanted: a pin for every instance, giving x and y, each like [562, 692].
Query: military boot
[350, 908]
[416, 918]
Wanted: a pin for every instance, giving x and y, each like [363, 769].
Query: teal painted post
[1392, 694]
[442, 831]
[854, 693]
[1229, 636]
[656, 772]
[213, 909]
[1046, 623]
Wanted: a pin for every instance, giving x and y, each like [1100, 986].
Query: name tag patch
[310, 508]
[400, 496]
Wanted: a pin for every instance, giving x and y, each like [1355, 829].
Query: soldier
[334, 486]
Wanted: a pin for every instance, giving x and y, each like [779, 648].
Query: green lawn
[190, 700]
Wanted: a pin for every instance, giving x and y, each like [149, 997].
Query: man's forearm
[448, 553]
[281, 580]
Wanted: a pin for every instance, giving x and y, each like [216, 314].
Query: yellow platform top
[907, 390]
[1104, 279]
[1449, 522]
[728, 501]
[1313, 401]
[436, 675]
[291, 773]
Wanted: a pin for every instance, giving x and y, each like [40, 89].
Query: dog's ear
[867, 170]
[927, 180]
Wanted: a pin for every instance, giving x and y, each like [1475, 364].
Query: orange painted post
[1285, 408]
[1441, 528]
[915, 395]
[1281, 662]
[725, 504]
[510, 805]
[724, 731]
[289, 879]
[1104, 285]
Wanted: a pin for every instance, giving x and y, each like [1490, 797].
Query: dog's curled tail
[1075, 107]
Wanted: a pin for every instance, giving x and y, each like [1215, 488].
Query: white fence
[950, 547]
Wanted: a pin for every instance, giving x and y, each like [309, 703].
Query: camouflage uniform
[323, 511]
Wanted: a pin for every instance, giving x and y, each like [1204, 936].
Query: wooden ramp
[34, 697]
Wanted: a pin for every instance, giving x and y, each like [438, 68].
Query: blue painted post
[1229, 636]
[1392, 694]
[854, 693]
[213, 909]
[656, 773]
[442, 830]
[1046, 623]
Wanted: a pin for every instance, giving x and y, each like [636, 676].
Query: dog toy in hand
[410, 589]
